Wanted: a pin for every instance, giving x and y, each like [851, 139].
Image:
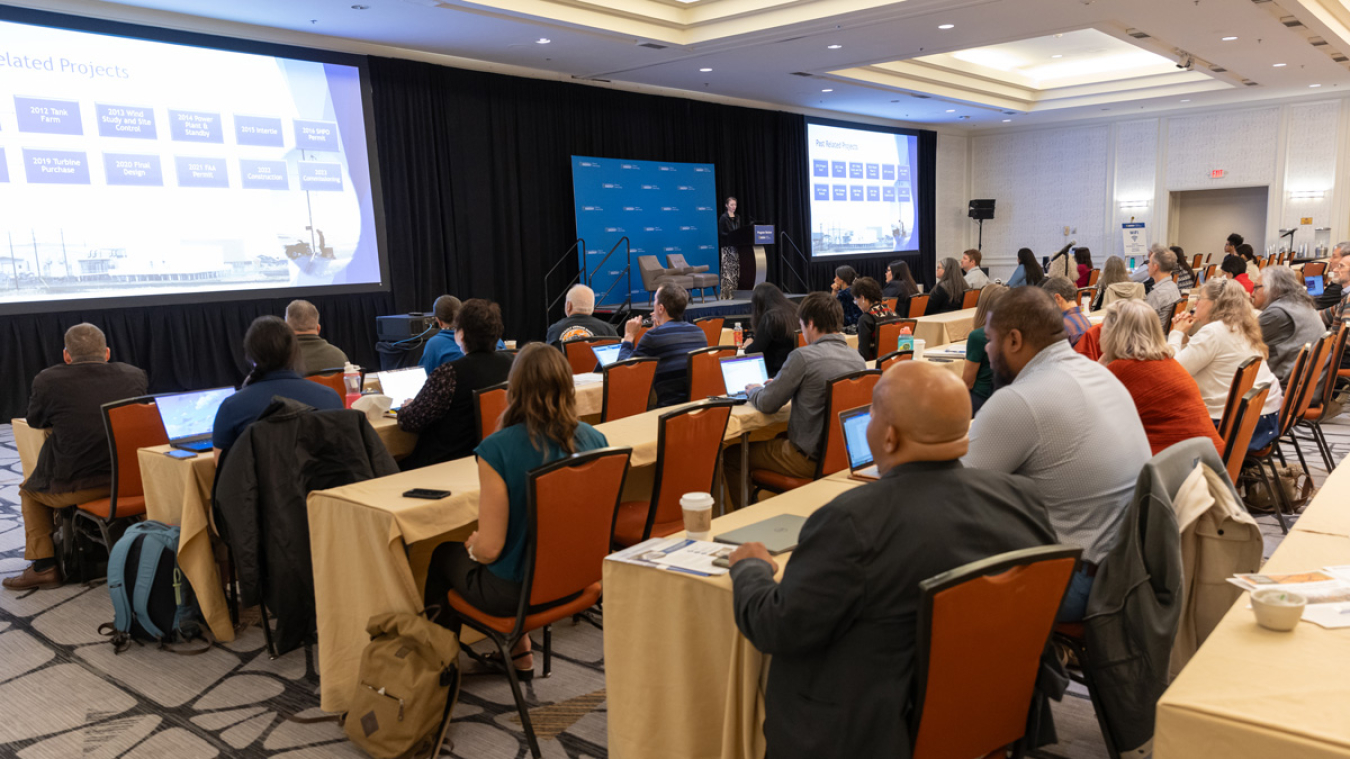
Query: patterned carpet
[68, 695]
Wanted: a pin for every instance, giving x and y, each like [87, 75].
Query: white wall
[1078, 176]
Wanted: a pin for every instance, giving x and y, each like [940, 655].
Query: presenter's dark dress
[731, 261]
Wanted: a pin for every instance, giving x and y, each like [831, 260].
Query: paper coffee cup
[918, 349]
[697, 509]
[510, 345]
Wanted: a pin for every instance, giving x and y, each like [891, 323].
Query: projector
[403, 326]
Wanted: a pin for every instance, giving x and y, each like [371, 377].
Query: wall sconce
[1133, 204]
[1307, 194]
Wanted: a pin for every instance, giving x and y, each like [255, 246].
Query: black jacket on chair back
[260, 498]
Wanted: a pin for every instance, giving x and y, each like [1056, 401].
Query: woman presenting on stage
[731, 262]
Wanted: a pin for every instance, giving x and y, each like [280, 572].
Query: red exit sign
[1216, 174]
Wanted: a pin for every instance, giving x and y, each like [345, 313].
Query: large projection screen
[864, 189]
[136, 171]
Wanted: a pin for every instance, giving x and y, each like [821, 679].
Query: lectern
[749, 242]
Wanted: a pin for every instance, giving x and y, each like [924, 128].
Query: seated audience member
[270, 346]
[1062, 264]
[773, 320]
[1288, 318]
[315, 352]
[1229, 334]
[1332, 283]
[1135, 349]
[1230, 245]
[950, 289]
[1164, 293]
[1248, 254]
[577, 320]
[1236, 269]
[900, 285]
[1065, 294]
[1052, 411]
[840, 626]
[540, 426]
[1335, 315]
[74, 465]
[805, 381]
[842, 287]
[442, 413]
[970, 266]
[978, 376]
[1028, 271]
[1185, 275]
[670, 339]
[1113, 272]
[1083, 258]
[867, 294]
[442, 348]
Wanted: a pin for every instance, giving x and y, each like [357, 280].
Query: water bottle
[739, 336]
[351, 377]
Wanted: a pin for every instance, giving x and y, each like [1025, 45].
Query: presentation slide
[864, 190]
[132, 168]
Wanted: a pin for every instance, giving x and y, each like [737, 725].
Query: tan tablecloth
[1329, 512]
[940, 329]
[371, 545]
[680, 679]
[729, 336]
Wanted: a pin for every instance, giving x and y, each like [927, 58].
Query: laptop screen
[855, 424]
[403, 384]
[607, 354]
[1315, 285]
[743, 370]
[193, 414]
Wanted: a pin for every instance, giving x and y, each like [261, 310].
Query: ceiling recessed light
[828, 89]
[833, 47]
[947, 26]
[1229, 39]
[951, 110]
[1314, 85]
[1056, 56]
[1005, 121]
[1186, 101]
[705, 70]
[1280, 65]
[543, 41]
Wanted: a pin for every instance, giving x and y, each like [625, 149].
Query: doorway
[1201, 220]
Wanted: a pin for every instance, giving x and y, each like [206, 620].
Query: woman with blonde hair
[976, 372]
[1166, 396]
[949, 290]
[1229, 334]
[540, 425]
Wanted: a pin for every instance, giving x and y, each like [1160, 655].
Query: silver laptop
[189, 418]
[402, 384]
[854, 422]
[607, 354]
[778, 534]
[742, 371]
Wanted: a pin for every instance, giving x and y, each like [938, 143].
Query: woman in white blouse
[1229, 334]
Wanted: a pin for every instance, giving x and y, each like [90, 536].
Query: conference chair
[627, 388]
[712, 328]
[1314, 268]
[1167, 316]
[1243, 379]
[1299, 387]
[890, 359]
[1176, 277]
[918, 304]
[131, 424]
[705, 371]
[331, 378]
[1209, 271]
[641, 330]
[982, 629]
[580, 353]
[801, 339]
[1093, 276]
[699, 278]
[845, 392]
[1319, 411]
[891, 303]
[1196, 260]
[1235, 448]
[570, 509]
[488, 405]
[688, 449]
[889, 330]
[654, 275]
[1084, 298]
[970, 299]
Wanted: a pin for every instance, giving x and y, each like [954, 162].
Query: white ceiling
[754, 48]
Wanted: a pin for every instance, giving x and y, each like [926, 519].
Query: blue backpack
[152, 600]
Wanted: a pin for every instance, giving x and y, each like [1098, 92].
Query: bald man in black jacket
[841, 624]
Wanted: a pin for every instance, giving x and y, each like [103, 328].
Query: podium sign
[1136, 242]
[764, 234]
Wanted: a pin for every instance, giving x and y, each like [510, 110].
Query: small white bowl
[1278, 610]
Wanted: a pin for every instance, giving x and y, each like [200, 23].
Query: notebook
[607, 354]
[1316, 285]
[190, 417]
[741, 371]
[402, 384]
[778, 534]
[854, 422]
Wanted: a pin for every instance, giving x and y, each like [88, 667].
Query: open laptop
[402, 384]
[607, 354]
[778, 534]
[854, 422]
[1316, 285]
[741, 371]
[190, 417]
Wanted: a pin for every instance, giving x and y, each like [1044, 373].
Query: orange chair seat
[505, 625]
[1313, 413]
[127, 506]
[632, 518]
[777, 481]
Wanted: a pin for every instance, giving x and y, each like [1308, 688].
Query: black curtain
[476, 175]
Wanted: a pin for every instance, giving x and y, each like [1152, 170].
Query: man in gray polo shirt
[1064, 421]
[804, 380]
[1161, 263]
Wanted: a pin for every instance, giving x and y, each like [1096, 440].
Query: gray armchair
[675, 263]
[654, 275]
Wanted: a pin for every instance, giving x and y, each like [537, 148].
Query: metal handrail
[785, 236]
[627, 272]
[550, 304]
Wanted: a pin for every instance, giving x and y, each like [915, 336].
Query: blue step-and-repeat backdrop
[661, 207]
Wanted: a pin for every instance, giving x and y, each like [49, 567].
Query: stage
[738, 307]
